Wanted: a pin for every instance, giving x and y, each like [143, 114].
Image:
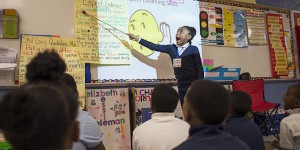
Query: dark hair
[294, 91]
[240, 103]
[208, 100]
[164, 98]
[192, 32]
[48, 68]
[245, 76]
[35, 117]
[45, 66]
[70, 82]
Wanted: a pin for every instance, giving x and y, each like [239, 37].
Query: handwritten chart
[99, 42]
[31, 45]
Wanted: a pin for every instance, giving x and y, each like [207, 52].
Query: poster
[101, 39]
[297, 30]
[110, 108]
[211, 25]
[289, 54]
[256, 27]
[31, 45]
[143, 108]
[277, 45]
[234, 24]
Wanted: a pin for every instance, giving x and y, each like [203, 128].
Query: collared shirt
[182, 48]
[162, 132]
[246, 130]
[290, 131]
[211, 137]
[90, 133]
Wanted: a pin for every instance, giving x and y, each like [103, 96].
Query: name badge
[177, 62]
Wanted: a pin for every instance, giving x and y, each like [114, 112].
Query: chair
[255, 88]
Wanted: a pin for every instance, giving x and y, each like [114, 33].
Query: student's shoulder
[144, 126]
[194, 48]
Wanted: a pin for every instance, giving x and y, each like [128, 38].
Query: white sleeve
[134, 142]
[92, 134]
[286, 138]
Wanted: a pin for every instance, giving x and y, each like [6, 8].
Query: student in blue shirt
[205, 108]
[90, 135]
[238, 124]
[185, 57]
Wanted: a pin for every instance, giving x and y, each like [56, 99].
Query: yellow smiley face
[143, 24]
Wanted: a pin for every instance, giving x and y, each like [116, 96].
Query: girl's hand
[133, 37]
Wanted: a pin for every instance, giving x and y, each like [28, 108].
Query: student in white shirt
[163, 131]
[290, 126]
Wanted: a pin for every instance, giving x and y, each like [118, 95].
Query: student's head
[164, 99]
[292, 97]
[48, 68]
[245, 76]
[45, 66]
[205, 102]
[35, 117]
[239, 103]
[70, 82]
[185, 35]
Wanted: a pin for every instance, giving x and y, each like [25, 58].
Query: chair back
[255, 88]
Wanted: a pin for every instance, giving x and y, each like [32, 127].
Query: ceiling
[290, 4]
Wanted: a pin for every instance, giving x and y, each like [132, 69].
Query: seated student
[90, 134]
[245, 76]
[163, 131]
[238, 124]
[48, 67]
[36, 117]
[289, 126]
[205, 108]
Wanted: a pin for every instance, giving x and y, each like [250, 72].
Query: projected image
[143, 24]
[155, 21]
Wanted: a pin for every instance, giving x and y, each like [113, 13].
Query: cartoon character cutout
[118, 108]
[143, 24]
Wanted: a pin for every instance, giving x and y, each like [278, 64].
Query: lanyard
[177, 56]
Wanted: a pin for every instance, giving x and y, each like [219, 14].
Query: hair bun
[46, 66]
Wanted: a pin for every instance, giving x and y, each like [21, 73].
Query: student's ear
[189, 37]
[75, 131]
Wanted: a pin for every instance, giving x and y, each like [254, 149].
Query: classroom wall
[252, 59]
[43, 17]
[56, 17]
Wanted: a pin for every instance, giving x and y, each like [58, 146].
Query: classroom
[119, 51]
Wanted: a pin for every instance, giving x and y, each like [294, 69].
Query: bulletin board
[254, 59]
